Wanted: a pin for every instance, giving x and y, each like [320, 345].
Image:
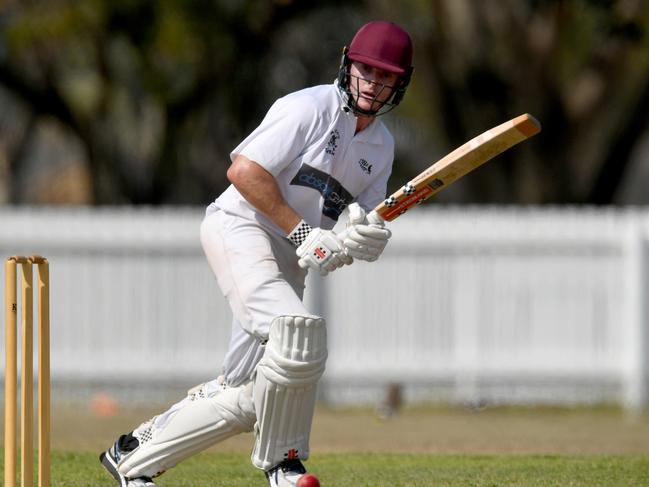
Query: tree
[581, 67]
[157, 92]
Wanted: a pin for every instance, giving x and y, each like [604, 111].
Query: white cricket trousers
[258, 273]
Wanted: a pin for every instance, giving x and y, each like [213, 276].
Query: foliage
[149, 97]
[157, 92]
[581, 67]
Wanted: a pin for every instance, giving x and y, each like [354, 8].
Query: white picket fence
[467, 305]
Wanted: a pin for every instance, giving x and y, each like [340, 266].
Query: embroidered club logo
[320, 253]
[332, 144]
[365, 166]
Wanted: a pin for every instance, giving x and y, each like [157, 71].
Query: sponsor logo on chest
[336, 197]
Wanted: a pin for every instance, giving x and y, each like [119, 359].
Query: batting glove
[318, 249]
[365, 236]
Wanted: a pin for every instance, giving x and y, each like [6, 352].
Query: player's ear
[404, 81]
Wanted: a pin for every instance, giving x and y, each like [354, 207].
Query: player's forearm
[260, 189]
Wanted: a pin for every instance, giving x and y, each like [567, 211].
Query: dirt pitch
[589, 431]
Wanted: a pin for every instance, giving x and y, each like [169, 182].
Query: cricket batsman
[316, 152]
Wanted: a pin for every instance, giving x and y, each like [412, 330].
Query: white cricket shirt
[307, 142]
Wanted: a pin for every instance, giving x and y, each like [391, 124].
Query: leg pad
[192, 425]
[284, 389]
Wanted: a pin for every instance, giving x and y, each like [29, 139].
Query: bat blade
[461, 161]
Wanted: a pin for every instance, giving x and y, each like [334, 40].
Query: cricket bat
[453, 166]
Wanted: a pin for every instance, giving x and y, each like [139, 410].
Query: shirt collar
[372, 133]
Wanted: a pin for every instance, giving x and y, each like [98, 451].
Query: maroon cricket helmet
[383, 45]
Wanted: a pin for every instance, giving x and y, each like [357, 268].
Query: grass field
[419, 447]
[80, 469]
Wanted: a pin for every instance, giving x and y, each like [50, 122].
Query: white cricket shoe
[110, 459]
[285, 474]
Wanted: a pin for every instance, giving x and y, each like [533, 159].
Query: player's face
[371, 87]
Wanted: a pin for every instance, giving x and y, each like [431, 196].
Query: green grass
[76, 469]
[452, 447]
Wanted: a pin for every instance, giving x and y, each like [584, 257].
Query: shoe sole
[111, 467]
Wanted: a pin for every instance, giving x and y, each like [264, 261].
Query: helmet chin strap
[351, 101]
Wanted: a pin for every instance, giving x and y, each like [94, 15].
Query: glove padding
[323, 251]
[365, 239]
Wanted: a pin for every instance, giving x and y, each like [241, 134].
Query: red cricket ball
[308, 480]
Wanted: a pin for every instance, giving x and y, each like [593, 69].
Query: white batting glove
[365, 238]
[340, 259]
[318, 249]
